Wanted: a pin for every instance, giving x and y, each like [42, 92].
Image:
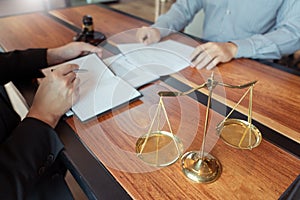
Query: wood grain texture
[276, 96]
[105, 21]
[262, 173]
[33, 30]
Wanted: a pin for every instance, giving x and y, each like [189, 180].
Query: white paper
[100, 90]
[126, 70]
[163, 58]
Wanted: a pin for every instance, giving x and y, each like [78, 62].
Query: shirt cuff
[163, 31]
[245, 48]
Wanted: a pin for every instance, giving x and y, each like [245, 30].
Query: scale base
[201, 170]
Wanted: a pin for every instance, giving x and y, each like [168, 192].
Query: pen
[76, 70]
[80, 70]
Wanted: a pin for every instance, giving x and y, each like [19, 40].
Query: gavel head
[87, 25]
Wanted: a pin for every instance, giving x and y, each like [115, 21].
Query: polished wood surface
[104, 20]
[275, 97]
[262, 173]
[28, 31]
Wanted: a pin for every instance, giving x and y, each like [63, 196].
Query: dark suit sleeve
[25, 156]
[17, 65]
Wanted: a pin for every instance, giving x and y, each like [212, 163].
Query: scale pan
[159, 148]
[237, 133]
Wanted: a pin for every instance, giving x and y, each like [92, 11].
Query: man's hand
[212, 53]
[70, 51]
[148, 35]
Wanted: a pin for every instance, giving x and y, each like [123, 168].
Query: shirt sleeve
[283, 39]
[179, 15]
[17, 65]
[25, 156]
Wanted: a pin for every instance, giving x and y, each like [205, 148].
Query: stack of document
[114, 81]
[139, 64]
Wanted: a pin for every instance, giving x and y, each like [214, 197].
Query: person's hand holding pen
[70, 51]
[59, 89]
[57, 92]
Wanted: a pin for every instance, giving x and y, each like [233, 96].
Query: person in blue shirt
[258, 29]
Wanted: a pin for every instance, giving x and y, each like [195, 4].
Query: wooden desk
[263, 173]
[32, 31]
[105, 20]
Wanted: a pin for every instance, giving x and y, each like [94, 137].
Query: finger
[195, 54]
[76, 81]
[83, 48]
[94, 49]
[76, 90]
[198, 50]
[142, 37]
[212, 64]
[199, 60]
[205, 61]
[75, 97]
[66, 69]
[70, 78]
[86, 47]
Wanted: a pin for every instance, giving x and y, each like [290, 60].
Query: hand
[212, 53]
[148, 35]
[69, 51]
[56, 94]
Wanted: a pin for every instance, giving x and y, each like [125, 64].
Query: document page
[139, 64]
[126, 70]
[99, 90]
[163, 58]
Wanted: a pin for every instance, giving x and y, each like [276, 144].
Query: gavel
[88, 34]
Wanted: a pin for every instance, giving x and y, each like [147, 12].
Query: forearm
[16, 65]
[283, 39]
[269, 46]
[56, 56]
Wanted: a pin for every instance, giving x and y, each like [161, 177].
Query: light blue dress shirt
[262, 29]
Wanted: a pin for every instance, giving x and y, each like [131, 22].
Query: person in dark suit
[29, 149]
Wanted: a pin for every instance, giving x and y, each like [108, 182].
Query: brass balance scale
[162, 148]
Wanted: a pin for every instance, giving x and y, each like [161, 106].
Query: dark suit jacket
[29, 168]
